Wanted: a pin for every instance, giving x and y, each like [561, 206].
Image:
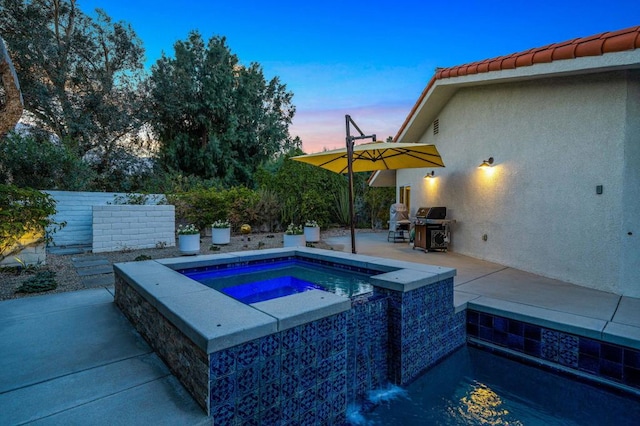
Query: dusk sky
[369, 59]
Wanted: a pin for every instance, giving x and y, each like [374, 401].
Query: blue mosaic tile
[325, 367]
[222, 414]
[307, 377]
[340, 321]
[339, 403]
[309, 332]
[340, 361]
[339, 383]
[254, 421]
[289, 386]
[325, 349]
[324, 390]
[246, 380]
[308, 355]
[339, 342]
[270, 369]
[324, 411]
[223, 390]
[568, 358]
[549, 351]
[271, 416]
[549, 344]
[247, 354]
[290, 339]
[248, 406]
[568, 342]
[270, 346]
[325, 327]
[307, 400]
[290, 362]
[222, 363]
[290, 411]
[269, 395]
[309, 418]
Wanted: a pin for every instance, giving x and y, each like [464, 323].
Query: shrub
[42, 281]
[25, 211]
[201, 207]
[29, 161]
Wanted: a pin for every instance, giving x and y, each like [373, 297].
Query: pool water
[475, 387]
[264, 281]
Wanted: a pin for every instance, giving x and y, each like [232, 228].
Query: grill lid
[431, 213]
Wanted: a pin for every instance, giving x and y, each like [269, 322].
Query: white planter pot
[312, 234]
[294, 240]
[189, 244]
[220, 235]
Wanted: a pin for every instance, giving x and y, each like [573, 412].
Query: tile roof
[595, 45]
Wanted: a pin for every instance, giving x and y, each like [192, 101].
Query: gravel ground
[68, 279]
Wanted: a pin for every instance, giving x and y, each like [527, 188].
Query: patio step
[103, 280]
[95, 271]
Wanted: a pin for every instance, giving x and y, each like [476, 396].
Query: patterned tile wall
[423, 329]
[609, 361]
[367, 333]
[298, 376]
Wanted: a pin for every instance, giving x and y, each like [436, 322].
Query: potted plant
[294, 236]
[188, 239]
[312, 231]
[221, 232]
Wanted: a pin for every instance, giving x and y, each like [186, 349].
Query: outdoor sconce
[429, 175]
[487, 163]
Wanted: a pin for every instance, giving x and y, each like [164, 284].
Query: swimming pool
[473, 386]
[269, 280]
[296, 359]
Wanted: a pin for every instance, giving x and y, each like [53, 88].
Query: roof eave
[440, 90]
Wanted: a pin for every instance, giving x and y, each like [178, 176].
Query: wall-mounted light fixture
[487, 163]
[430, 175]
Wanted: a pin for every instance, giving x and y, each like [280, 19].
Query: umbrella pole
[350, 142]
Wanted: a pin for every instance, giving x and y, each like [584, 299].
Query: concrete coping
[215, 321]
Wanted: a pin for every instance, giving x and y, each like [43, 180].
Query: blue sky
[370, 59]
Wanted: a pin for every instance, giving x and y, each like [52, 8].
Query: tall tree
[11, 104]
[79, 75]
[214, 117]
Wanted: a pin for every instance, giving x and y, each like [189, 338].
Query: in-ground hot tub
[301, 356]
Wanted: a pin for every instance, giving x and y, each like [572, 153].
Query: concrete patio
[73, 358]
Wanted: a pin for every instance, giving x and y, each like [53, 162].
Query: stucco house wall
[554, 140]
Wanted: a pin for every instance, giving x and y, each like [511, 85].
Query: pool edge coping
[188, 306]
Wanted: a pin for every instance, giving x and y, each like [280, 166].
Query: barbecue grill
[399, 223]
[432, 229]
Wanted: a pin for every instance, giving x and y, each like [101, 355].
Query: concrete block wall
[118, 227]
[32, 253]
[75, 208]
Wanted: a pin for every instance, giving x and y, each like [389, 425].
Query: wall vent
[436, 126]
